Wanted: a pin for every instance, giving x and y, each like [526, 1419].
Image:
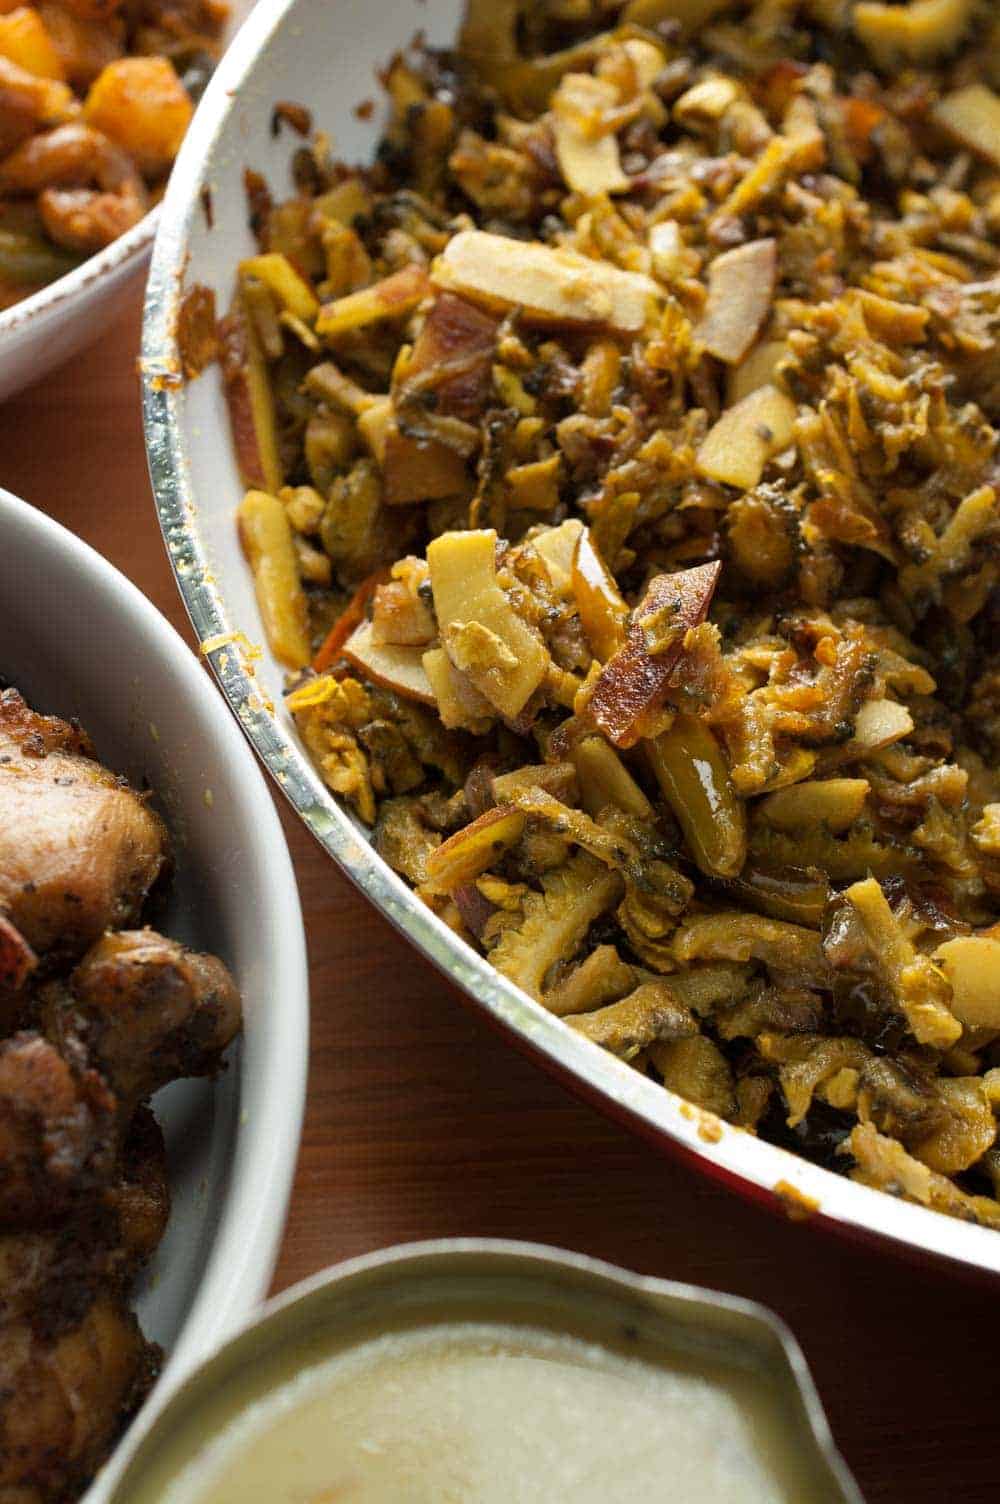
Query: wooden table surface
[423, 1123]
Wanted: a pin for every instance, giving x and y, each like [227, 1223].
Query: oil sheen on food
[487, 1414]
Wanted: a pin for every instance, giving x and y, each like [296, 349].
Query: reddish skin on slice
[453, 356]
[634, 682]
[352, 616]
[474, 908]
[475, 847]
[234, 360]
[453, 360]
[390, 298]
[396, 666]
[17, 959]
[400, 288]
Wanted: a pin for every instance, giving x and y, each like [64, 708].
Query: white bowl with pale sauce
[495, 1373]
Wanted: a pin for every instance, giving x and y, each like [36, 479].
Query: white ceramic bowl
[42, 331]
[325, 57]
[79, 639]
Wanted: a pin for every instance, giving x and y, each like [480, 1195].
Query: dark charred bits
[295, 115]
[197, 331]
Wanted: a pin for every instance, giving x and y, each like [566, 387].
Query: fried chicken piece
[51, 1274]
[57, 1132]
[145, 1010]
[139, 1199]
[73, 1361]
[84, 1197]
[79, 849]
[64, 1397]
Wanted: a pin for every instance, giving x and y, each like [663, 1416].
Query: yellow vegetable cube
[25, 40]
[833, 802]
[141, 104]
[345, 202]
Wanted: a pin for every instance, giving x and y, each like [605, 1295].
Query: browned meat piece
[146, 1011]
[84, 1196]
[79, 849]
[27, 1262]
[56, 1132]
[23, 101]
[139, 1200]
[83, 46]
[65, 1396]
[53, 1273]
[174, 28]
[73, 1362]
[50, 1275]
[87, 219]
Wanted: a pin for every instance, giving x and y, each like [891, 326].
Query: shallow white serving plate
[325, 56]
[42, 331]
[79, 640]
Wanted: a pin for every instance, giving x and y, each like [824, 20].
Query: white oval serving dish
[325, 57]
[79, 640]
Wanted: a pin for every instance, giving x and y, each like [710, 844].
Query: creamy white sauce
[484, 1414]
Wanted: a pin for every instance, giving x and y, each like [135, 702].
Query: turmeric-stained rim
[762, 1170]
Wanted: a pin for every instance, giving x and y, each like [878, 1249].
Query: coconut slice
[390, 664]
[740, 289]
[972, 116]
[548, 286]
[740, 444]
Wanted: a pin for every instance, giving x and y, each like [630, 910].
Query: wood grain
[422, 1123]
